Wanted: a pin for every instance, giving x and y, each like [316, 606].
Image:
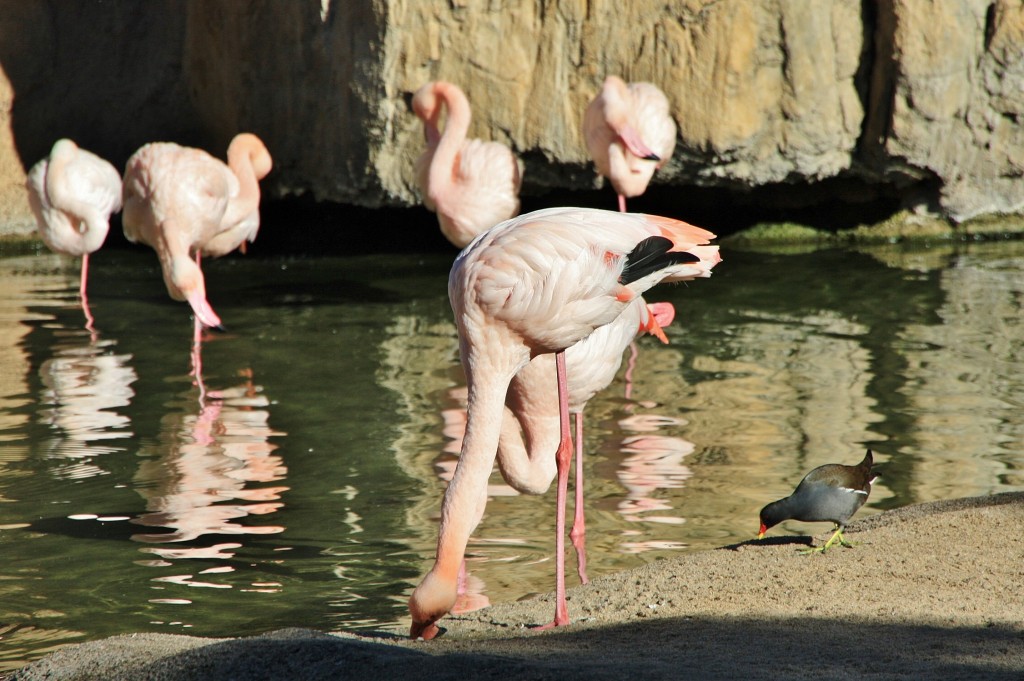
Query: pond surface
[301, 486]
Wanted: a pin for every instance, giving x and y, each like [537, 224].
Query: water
[302, 489]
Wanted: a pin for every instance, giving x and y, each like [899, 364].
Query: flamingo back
[76, 220]
[553, 276]
[175, 193]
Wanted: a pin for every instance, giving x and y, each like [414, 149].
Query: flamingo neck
[466, 495]
[445, 163]
[241, 164]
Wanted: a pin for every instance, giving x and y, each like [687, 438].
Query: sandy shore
[933, 591]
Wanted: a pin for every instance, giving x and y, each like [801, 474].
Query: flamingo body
[629, 133]
[591, 366]
[182, 202]
[73, 193]
[538, 284]
[471, 184]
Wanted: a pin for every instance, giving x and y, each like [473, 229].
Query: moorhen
[832, 492]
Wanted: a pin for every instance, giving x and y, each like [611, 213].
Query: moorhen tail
[832, 492]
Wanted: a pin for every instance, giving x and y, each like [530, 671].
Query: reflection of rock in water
[964, 380]
[419, 364]
[200, 482]
[84, 388]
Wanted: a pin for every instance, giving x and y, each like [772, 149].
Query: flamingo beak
[203, 312]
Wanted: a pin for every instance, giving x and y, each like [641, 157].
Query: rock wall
[920, 97]
[106, 74]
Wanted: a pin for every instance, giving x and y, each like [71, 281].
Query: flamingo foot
[561, 617]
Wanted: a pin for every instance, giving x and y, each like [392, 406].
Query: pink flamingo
[182, 202]
[533, 285]
[72, 194]
[471, 184]
[630, 134]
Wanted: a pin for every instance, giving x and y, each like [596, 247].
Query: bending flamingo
[182, 202]
[72, 194]
[533, 285]
[471, 184]
[630, 134]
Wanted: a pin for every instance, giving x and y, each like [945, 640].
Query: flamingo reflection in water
[204, 477]
[84, 387]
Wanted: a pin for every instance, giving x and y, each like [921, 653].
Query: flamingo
[630, 134]
[183, 202]
[73, 193]
[471, 184]
[534, 285]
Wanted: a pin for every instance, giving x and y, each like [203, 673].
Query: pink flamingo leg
[197, 352]
[578, 535]
[630, 366]
[89, 321]
[563, 458]
[197, 359]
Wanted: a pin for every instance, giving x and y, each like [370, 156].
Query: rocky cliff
[920, 99]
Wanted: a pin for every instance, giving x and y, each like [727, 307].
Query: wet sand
[932, 591]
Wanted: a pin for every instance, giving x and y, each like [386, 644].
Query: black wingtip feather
[649, 256]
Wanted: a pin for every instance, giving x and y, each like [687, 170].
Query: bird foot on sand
[836, 538]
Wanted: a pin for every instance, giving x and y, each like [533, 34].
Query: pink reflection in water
[654, 462]
[203, 478]
[84, 387]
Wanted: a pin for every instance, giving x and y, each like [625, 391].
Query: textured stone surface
[951, 100]
[920, 97]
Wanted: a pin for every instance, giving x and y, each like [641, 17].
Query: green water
[303, 488]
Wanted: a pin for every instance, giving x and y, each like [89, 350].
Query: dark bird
[832, 492]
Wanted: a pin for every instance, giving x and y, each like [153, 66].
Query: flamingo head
[186, 283]
[431, 601]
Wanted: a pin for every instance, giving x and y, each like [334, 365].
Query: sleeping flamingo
[72, 194]
[534, 285]
[182, 202]
[471, 184]
[630, 134]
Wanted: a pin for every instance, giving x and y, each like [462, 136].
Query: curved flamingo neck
[456, 127]
[241, 161]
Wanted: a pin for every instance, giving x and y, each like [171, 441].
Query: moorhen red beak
[832, 492]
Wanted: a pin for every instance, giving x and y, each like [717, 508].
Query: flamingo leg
[197, 351]
[630, 366]
[563, 458]
[197, 359]
[578, 534]
[89, 321]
